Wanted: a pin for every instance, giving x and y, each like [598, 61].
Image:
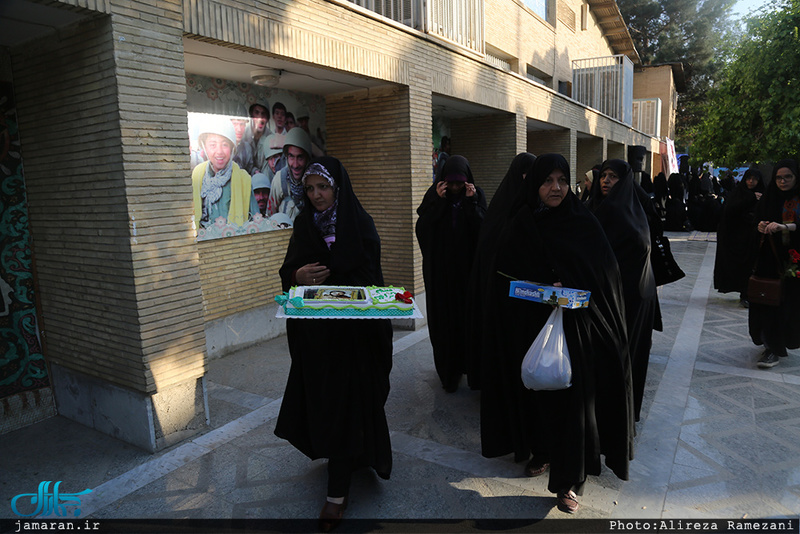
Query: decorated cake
[346, 301]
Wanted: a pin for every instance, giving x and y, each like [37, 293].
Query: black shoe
[768, 360]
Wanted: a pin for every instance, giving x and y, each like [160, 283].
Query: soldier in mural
[259, 117]
[261, 184]
[243, 155]
[221, 189]
[278, 122]
[286, 194]
[270, 155]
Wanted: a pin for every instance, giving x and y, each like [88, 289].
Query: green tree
[753, 112]
[686, 31]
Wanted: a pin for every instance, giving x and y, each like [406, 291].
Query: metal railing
[605, 84]
[460, 21]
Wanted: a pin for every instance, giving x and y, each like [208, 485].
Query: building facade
[129, 303]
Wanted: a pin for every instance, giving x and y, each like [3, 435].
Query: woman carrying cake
[333, 406]
[552, 239]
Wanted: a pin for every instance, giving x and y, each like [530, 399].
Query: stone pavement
[719, 439]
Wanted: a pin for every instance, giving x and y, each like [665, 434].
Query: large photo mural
[249, 145]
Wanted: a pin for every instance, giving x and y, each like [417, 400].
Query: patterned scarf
[325, 221]
[296, 188]
[213, 184]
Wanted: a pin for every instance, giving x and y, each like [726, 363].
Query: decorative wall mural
[22, 365]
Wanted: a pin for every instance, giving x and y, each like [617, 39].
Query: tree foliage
[753, 112]
[686, 31]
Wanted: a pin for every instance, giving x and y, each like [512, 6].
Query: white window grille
[605, 84]
[647, 116]
[460, 21]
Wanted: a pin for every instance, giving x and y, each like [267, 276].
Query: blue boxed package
[565, 297]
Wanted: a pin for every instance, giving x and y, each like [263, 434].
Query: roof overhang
[614, 28]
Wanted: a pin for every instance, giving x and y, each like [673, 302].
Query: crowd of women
[535, 229]
[758, 235]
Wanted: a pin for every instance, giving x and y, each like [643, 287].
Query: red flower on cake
[794, 255]
[404, 297]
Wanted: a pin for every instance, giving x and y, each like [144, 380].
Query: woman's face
[319, 192]
[608, 179]
[785, 179]
[751, 182]
[218, 150]
[554, 189]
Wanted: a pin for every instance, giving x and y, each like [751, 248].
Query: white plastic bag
[546, 365]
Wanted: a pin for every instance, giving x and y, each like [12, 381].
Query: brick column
[102, 113]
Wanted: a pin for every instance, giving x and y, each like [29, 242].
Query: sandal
[568, 502]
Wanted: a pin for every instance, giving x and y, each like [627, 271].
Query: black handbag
[665, 269]
[764, 290]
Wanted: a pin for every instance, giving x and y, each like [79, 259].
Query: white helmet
[217, 125]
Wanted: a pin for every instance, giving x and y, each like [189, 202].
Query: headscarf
[325, 221]
[759, 188]
[676, 188]
[356, 236]
[660, 188]
[456, 165]
[777, 204]
[625, 222]
[593, 175]
[538, 173]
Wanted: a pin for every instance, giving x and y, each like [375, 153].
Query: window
[538, 6]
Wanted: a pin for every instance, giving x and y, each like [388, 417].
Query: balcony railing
[605, 84]
[647, 116]
[460, 21]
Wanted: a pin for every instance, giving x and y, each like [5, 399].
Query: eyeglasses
[785, 178]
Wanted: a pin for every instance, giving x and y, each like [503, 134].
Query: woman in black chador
[616, 204]
[676, 218]
[338, 382]
[480, 305]
[737, 236]
[551, 238]
[777, 217]
[450, 218]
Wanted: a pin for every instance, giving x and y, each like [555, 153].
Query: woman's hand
[767, 227]
[470, 189]
[312, 274]
[758, 195]
[441, 188]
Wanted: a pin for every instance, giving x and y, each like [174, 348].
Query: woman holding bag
[778, 213]
[552, 238]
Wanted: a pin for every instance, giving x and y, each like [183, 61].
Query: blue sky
[743, 7]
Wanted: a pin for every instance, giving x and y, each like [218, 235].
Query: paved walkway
[719, 439]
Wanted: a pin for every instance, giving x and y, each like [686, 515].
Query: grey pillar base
[149, 421]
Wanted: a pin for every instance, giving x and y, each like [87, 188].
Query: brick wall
[106, 176]
[489, 142]
[590, 153]
[377, 156]
[548, 46]
[241, 273]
